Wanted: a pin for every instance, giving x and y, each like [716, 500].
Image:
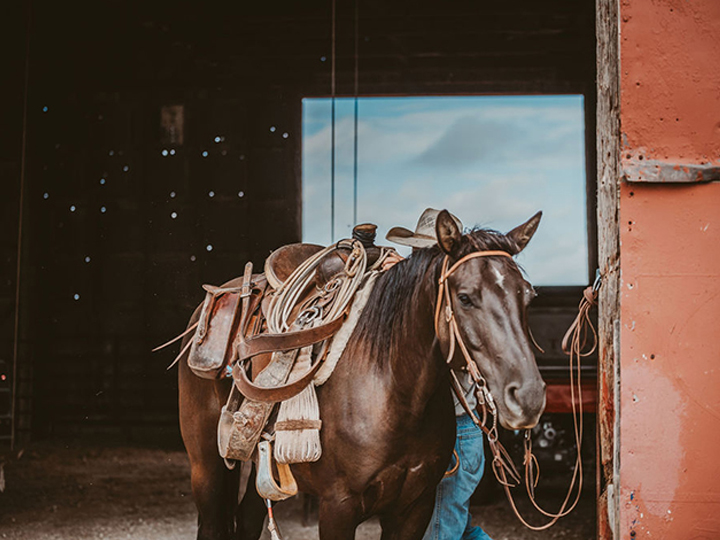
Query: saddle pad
[341, 338]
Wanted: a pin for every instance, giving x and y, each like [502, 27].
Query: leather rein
[573, 344]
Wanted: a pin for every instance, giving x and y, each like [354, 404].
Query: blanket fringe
[299, 441]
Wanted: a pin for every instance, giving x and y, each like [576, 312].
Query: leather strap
[455, 467]
[298, 339]
[297, 425]
[576, 336]
[445, 273]
[457, 389]
[474, 255]
[502, 463]
[245, 292]
[275, 393]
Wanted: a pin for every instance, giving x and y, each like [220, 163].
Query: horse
[388, 416]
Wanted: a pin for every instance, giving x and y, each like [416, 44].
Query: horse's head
[490, 298]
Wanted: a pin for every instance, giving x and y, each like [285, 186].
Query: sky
[493, 161]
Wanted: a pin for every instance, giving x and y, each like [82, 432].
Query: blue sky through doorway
[491, 160]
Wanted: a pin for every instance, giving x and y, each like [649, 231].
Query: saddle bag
[219, 319]
[213, 345]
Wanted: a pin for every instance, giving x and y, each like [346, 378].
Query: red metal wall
[669, 445]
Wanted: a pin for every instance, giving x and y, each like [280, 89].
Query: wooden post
[608, 189]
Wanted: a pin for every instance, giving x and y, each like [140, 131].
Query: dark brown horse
[388, 419]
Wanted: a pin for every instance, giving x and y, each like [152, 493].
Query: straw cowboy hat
[424, 235]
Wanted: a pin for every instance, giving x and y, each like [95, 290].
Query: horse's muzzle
[524, 403]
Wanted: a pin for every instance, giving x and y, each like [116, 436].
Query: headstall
[573, 344]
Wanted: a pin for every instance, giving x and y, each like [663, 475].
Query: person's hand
[391, 260]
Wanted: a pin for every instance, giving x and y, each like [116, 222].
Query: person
[451, 519]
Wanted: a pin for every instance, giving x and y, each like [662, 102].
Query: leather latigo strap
[264, 343]
[272, 394]
[297, 339]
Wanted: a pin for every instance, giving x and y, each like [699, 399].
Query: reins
[573, 344]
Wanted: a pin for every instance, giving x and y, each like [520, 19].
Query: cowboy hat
[424, 235]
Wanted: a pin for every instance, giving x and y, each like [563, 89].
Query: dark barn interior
[139, 135]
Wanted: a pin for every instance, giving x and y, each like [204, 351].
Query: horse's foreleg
[411, 523]
[338, 518]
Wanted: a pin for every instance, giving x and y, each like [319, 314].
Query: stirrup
[265, 483]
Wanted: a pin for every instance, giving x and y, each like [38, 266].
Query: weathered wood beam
[608, 196]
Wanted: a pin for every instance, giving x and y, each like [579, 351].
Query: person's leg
[470, 439]
[448, 521]
[474, 532]
[451, 515]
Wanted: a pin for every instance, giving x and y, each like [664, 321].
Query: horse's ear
[447, 232]
[522, 234]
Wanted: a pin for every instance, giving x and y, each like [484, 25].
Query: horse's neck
[415, 368]
[393, 355]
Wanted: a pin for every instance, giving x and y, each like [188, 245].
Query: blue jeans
[451, 518]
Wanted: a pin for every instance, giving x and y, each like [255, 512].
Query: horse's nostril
[524, 402]
[511, 393]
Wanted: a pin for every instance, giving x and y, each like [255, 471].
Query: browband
[446, 273]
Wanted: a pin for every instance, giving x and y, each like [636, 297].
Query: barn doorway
[124, 219]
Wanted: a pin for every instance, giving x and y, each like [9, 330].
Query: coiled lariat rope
[340, 290]
[573, 345]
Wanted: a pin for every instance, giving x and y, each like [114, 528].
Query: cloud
[454, 139]
[492, 166]
[467, 141]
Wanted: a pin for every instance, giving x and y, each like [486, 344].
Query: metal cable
[332, 129]
[355, 127]
[23, 153]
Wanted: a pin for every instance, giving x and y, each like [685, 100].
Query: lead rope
[573, 344]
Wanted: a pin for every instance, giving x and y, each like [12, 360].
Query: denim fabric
[451, 518]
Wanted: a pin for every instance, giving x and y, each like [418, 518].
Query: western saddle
[253, 329]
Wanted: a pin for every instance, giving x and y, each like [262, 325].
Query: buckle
[308, 315]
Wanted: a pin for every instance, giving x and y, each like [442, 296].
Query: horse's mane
[384, 323]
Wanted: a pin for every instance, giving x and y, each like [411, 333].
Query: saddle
[254, 328]
[217, 335]
[284, 261]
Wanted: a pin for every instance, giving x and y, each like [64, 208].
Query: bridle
[484, 395]
[502, 464]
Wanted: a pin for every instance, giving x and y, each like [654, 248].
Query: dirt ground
[82, 492]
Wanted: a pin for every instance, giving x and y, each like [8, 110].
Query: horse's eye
[464, 299]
